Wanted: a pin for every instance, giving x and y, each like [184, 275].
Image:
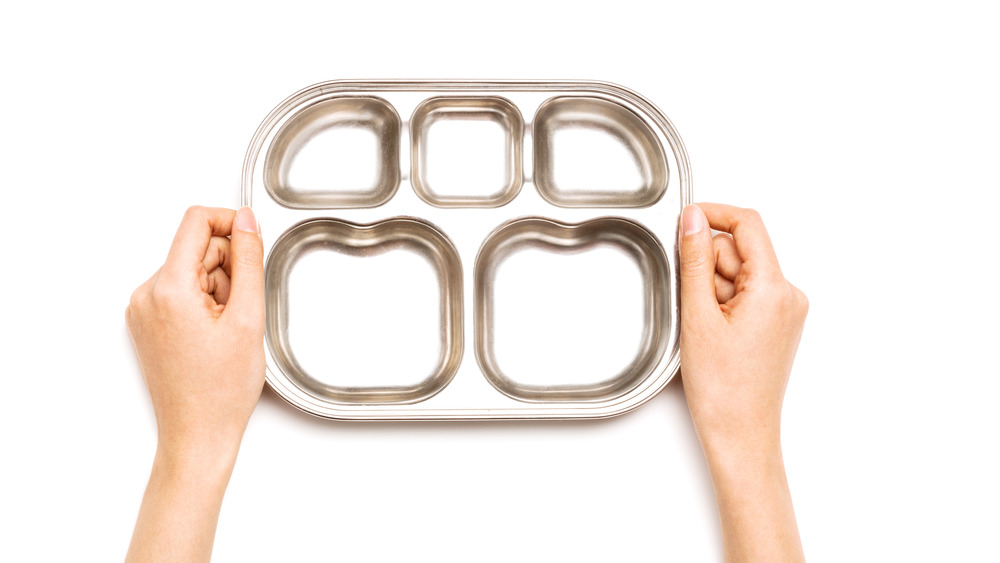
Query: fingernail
[245, 221]
[692, 220]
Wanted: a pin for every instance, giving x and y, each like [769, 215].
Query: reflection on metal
[464, 263]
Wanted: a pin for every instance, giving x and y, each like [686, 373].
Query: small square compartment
[365, 314]
[570, 312]
[466, 152]
[592, 152]
[338, 153]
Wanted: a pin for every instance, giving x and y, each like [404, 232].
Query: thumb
[697, 263]
[246, 293]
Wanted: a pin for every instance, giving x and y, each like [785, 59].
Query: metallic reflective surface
[532, 307]
[466, 264]
[332, 323]
[466, 151]
[336, 153]
[590, 152]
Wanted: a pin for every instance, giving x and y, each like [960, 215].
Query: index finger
[195, 233]
[753, 244]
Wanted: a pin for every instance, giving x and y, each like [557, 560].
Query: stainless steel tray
[468, 250]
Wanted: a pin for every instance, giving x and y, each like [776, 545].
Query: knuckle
[723, 244]
[206, 280]
[194, 213]
[134, 300]
[695, 264]
[721, 241]
[159, 295]
[137, 301]
[165, 295]
[801, 301]
[749, 215]
[793, 302]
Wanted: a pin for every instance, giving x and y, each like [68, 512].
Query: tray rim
[642, 393]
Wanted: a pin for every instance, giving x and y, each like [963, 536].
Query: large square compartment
[570, 312]
[365, 313]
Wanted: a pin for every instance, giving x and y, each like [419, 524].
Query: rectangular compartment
[464, 263]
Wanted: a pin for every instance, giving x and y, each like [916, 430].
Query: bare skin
[197, 327]
[740, 327]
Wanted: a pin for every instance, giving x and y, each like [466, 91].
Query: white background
[866, 133]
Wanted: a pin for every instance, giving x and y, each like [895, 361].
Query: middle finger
[217, 255]
[727, 259]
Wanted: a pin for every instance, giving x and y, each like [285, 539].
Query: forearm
[180, 509]
[755, 505]
[197, 326]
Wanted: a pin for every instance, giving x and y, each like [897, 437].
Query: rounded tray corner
[512, 197]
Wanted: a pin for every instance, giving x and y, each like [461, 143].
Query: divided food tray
[468, 250]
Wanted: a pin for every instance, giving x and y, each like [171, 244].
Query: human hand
[198, 330]
[740, 327]
[197, 327]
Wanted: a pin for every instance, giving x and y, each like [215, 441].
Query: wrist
[739, 438]
[743, 460]
[208, 461]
